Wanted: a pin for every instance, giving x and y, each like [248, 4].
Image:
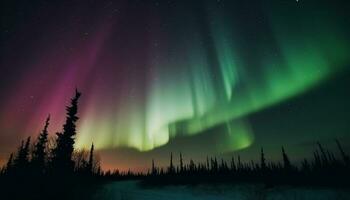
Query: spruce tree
[192, 166]
[286, 162]
[39, 154]
[263, 160]
[22, 158]
[9, 163]
[323, 154]
[181, 163]
[345, 157]
[91, 160]
[62, 153]
[154, 172]
[208, 167]
[233, 165]
[171, 166]
[215, 164]
[19, 156]
[239, 166]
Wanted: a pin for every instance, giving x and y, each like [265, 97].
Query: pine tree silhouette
[39, 154]
[262, 160]
[154, 171]
[192, 166]
[239, 166]
[171, 166]
[323, 153]
[90, 164]
[286, 161]
[62, 154]
[208, 167]
[9, 163]
[317, 161]
[216, 166]
[181, 163]
[22, 159]
[233, 165]
[19, 154]
[346, 158]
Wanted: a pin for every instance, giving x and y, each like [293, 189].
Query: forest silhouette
[50, 168]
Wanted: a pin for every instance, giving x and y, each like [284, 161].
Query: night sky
[211, 77]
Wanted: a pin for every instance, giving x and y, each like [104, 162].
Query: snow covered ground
[130, 190]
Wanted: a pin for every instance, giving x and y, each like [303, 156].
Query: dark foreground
[149, 188]
[133, 189]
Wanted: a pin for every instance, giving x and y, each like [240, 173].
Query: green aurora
[218, 79]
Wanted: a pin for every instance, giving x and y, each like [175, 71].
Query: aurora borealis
[153, 71]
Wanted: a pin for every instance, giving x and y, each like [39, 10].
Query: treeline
[323, 169]
[56, 157]
[50, 167]
[55, 161]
